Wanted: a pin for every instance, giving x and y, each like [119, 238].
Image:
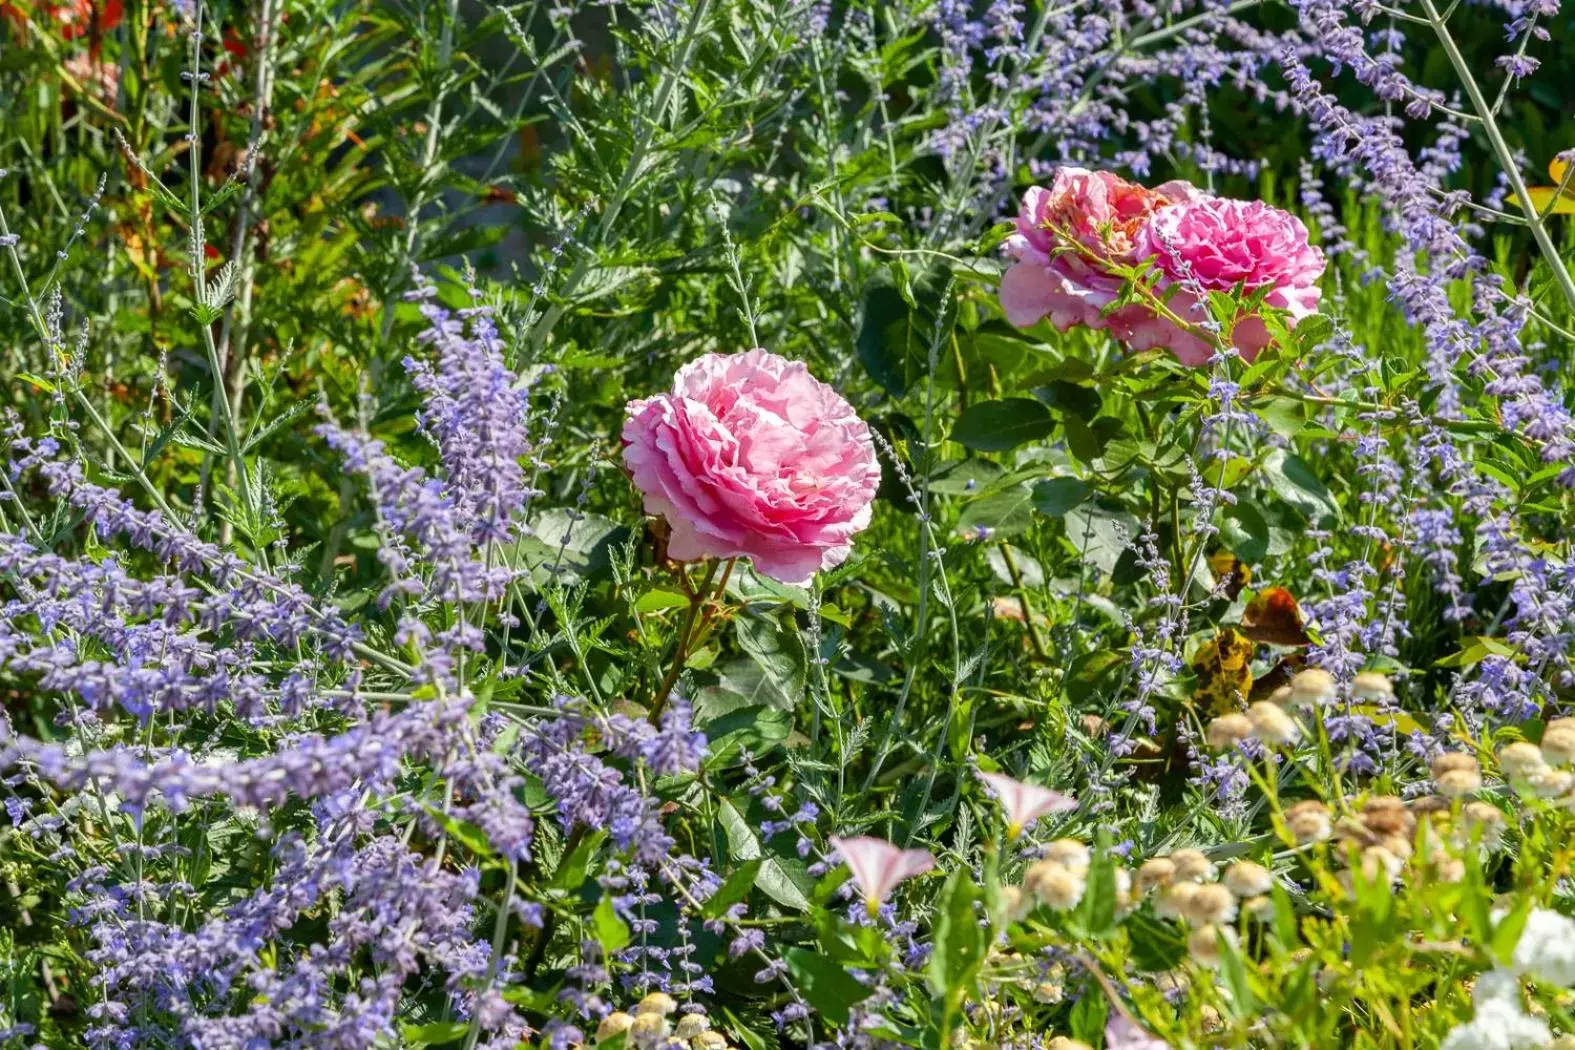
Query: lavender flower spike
[1024, 803]
[878, 866]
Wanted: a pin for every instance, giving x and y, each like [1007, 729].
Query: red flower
[74, 18]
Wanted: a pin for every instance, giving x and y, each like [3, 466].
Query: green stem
[664, 93]
[1501, 150]
[685, 637]
[499, 930]
[1022, 596]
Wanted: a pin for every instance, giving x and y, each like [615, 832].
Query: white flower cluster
[1545, 952]
[1546, 949]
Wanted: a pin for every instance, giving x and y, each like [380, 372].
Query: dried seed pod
[1191, 865]
[1227, 731]
[1309, 821]
[1155, 872]
[1070, 854]
[1313, 687]
[615, 1023]
[1272, 725]
[1246, 878]
[1521, 760]
[1209, 903]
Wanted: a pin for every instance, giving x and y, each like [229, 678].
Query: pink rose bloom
[752, 456]
[1062, 235]
[1216, 244]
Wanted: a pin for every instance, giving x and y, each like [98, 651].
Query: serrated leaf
[1297, 485]
[778, 651]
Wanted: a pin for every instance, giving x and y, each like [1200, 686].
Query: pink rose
[1064, 233]
[1215, 244]
[751, 455]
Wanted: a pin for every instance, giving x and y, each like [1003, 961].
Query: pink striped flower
[1025, 803]
[878, 866]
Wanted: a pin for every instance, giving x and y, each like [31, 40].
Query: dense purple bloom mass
[204, 635]
[325, 952]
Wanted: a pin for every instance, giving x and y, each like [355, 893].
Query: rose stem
[696, 601]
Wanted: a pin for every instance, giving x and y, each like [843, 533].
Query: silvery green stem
[1506, 160]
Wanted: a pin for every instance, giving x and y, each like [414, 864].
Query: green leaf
[434, 1032]
[994, 345]
[744, 1033]
[1101, 534]
[1310, 332]
[959, 942]
[730, 722]
[995, 236]
[1088, 441]
[784, 881]
[998, 426]
[611, 931]
[1068, 397]
[1097, 911]
[1480, 648]
[1507, 931]
[748, 586]
[571, 871]
[779, 653]
[825, 985]
[893, 337]
[1286, 416]
[579, 544]
[1233, 975]
[1091, 672]
[1005, 513]
[1156, 946]
[1295, 483]
[964, 477]
[657, 600]
[1285, 927]
[734, 888]
[1057, 497]
[1245, 531]
[1087, 1022]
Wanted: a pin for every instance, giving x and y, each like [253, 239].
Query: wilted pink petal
[878, 866]
[1025, 803]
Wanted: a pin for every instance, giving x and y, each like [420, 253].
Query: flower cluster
[1079, 245]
